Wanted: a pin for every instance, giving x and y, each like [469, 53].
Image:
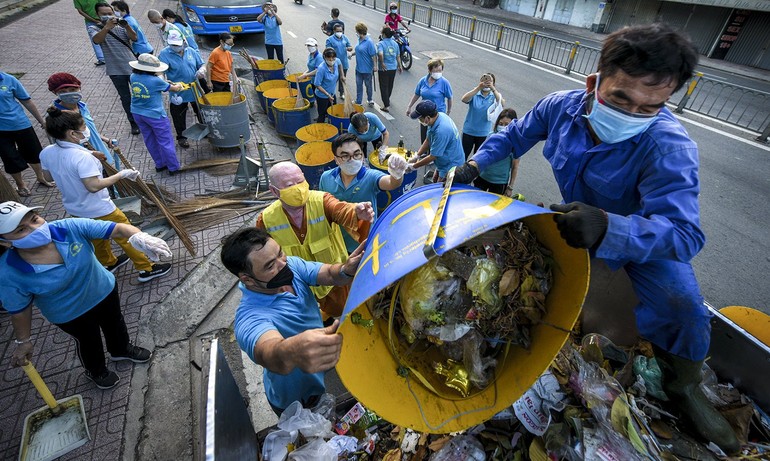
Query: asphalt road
[735, 172]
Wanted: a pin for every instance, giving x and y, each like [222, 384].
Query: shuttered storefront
[632, 12]
[752, 48]
[702, 23]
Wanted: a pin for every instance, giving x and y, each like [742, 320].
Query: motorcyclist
[393, 19]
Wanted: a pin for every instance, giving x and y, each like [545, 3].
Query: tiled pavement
[51, 40]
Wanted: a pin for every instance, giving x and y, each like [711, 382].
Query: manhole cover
[440, 54]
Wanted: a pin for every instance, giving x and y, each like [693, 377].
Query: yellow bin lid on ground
[367, 367]
[317, 132]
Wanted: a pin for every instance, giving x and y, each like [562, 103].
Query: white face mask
[118, 14]
[352, 167]
[436, 75]
[338, 34]
[312, 49]
[159, 26]
[500, 127]
[86, 135]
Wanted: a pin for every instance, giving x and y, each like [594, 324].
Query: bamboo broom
[208, 163]
[209, 218]
[126, 187]
[181, 232]
[348, 108]
[7, 191]
[199, 204]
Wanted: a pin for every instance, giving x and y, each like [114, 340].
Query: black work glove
[581, 225]
[466, 173]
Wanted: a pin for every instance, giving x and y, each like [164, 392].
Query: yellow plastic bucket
[304, 85]
[273, 95]
[268, 85]
[337, 117]
[268, 69]
[316, 132]
[313, 159]
[288, 117]
[367, 367]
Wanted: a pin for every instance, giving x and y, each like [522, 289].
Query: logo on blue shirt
[75, 248]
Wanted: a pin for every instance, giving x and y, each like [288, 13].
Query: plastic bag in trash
[533, 408]
[325, 406]
[315, 450]
[429, 295]
[276, 445]
[297, 418]
[461, 448]
[649, 370]
[343, 444]
[484, 283]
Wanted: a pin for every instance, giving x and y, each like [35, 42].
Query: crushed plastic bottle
[461, 448]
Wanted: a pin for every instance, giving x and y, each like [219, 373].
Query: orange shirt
[221, 64]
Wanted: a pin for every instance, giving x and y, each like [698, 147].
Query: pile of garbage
[451, 319]
[596, 402]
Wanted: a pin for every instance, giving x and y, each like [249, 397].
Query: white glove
[129, 174]
[153, 247]
[409, 168]
[364, 211]
[201, 72]
[397, 166]
[382, 152]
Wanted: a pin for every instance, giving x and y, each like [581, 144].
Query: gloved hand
[201, 72]
[581, 225]
[466, 173]
[153, 247]
[364, 211]
[382, 152]
[397, 166]
[129, 174]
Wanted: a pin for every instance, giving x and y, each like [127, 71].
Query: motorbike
[404, 52]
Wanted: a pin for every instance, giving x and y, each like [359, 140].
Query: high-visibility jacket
[323, 242]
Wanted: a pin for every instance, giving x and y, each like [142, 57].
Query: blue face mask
[37, 238]
[227, 47]
[612, 124]
[70, 98]
[176, 48]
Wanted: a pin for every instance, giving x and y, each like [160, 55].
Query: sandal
[23, 192]
[46, 183]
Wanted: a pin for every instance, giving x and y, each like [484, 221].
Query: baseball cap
[175, 38]
[311, 42]
[424, 109]
[11, 214]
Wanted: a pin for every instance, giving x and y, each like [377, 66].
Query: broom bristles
[7, 191]
[209, 163]
[348, 108]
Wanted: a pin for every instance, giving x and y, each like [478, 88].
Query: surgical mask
[227, 47]
[312, 49]
[330, 63]
[436, 75]
[177, 48]
[159, 25]
[296, 195]
[70, 98]
[422, 123]
[394, 10]
[338, 34]
[486, 90]
[283, 278]
[500, 127]
[37, 238]
[86, 135]
[352, 167]
[106, 18]
[612, 125]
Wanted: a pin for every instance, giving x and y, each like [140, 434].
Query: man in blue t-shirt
[278, 322]
[369, 128]
[352, 182]
[443, 141]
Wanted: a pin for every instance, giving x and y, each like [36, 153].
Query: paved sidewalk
[53, 39]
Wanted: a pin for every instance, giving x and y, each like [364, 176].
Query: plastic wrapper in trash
[343, 444]
[296, 418]
[276, 445]
[650, 372]
[710, 386]
[484, 283]
[533, 409]
[604, 444]
[480, 367]
[461, 448]
[427, 294]
[597, 389]
[315, 450]
[325, 406]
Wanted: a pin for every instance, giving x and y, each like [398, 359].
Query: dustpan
[199, 130]
[57, 428]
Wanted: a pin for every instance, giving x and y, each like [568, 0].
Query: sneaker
[157, 270]
[135, 128]
[183, 143]
[158, 169]
[371, 103]
[122, 259]
[342, 96]
[133, 353]
[106, 380]
[99, 63]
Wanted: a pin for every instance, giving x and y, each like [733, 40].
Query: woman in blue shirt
[147, 108]
[53, 266]
[477, 124]
[341, 44]
[326, 78]
[499, 176]
[433, 87]
[273, 41]
[366, 64]
[179, 22]
[387, 50]
[140, 45]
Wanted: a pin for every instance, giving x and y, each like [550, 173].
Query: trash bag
[325, 406]
[427, 295]
[315, 450]
[275, 447]
[343, 445]
[296, 418]
[484, 283]
[650, 372]
[461, 448]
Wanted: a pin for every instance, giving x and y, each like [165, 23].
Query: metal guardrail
[740, 106]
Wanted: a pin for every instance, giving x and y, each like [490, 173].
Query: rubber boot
[681, 382]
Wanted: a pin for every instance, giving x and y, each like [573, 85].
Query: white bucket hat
[149, 63]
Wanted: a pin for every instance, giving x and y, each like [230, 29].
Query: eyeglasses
[358, 155]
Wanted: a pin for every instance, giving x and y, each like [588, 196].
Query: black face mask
[284, 277]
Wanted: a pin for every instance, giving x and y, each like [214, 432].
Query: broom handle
[37, 381]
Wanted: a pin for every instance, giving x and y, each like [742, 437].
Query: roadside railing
[740, 106]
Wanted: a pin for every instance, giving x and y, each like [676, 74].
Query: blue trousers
[97, 48]
[671, 313]
[361, 80]
[159, 140]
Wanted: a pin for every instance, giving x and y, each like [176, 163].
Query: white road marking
[385, 115]
[311, 6]
[291, 34]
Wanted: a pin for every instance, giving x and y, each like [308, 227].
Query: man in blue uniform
[628, 172]
[442, 144]
[278, 323]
